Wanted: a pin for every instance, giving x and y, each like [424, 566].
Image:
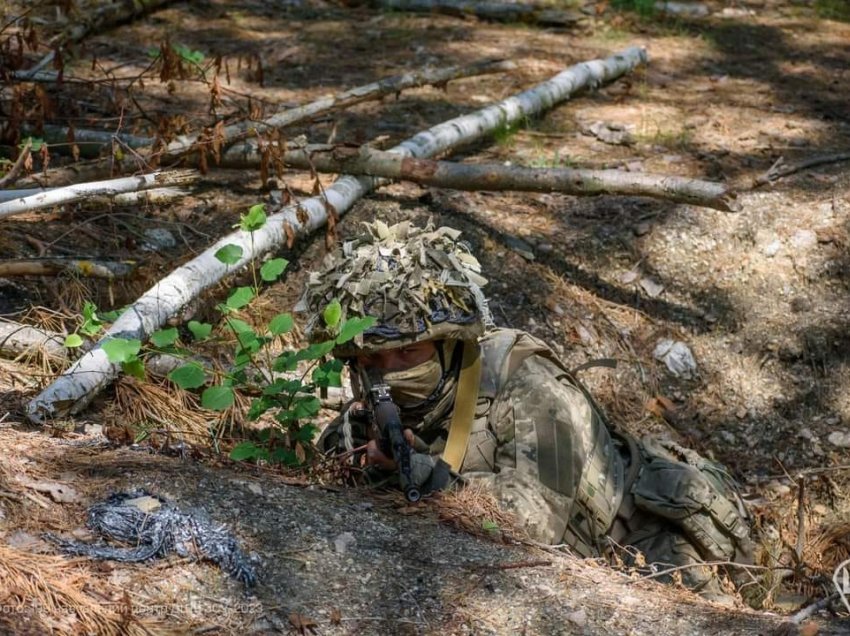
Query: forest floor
[761, 297]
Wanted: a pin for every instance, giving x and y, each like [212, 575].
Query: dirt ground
[761, 298]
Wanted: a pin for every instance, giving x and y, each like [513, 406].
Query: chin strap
[466, 397]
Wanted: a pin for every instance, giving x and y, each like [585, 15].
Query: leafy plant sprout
[282, 390]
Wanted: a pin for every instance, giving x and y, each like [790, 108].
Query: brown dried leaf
[304, 624]
[336, 616]
[290, 235]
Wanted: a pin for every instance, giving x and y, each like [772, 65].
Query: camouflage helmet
[420, 284]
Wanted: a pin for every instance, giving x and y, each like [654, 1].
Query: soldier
[499, 408]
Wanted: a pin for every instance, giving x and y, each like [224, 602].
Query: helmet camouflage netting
[420, 284]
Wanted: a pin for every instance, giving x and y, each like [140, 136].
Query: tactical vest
[600, 490]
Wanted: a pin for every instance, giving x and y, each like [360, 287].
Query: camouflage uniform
[538, 441]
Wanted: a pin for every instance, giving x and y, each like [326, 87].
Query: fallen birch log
[17, 339]
[367, 92]
[88, 268]
[363, 160]
[73, 390]
[494, 11]
[157, 195]
[112, 187]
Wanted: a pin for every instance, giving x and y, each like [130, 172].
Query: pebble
[804, 239]
[255, 488]
[158, 238]
[806, 433]
[839, 438]
[578, 618]
[343, 542]
[772, 248]
[545, 248]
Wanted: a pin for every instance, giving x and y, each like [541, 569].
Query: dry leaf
[304, 624]
[336, 616]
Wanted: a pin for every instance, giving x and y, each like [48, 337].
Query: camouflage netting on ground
[419, 283]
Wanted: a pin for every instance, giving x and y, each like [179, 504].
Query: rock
[643, 228]
[772, 249]
[683, 9]
[343, 542]
[652, 288]
[145, 504]
[806, 433]
[520, 247]
[610, 133]
[545, 248]
[628, 277]
[255, 488]
[839, 438]
[158, 239]
[804, 239]
[578, 618]
[677, 357]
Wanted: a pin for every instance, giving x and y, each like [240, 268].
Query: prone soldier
[499, 408]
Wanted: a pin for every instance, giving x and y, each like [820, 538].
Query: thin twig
[515, 565]
[807, 611]
[780, 169]
[801, 519]
[661, 573]
[10, 177]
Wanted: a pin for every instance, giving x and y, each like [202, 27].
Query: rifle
[386, 419]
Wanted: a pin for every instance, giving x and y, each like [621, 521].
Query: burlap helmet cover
[420, 284]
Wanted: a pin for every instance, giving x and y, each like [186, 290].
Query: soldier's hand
[376, 457]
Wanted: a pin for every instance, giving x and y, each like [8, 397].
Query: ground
[760, 297]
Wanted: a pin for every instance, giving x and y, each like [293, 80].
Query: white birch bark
[157, 195]
[17, 339]
[112, 187]
[73, 390]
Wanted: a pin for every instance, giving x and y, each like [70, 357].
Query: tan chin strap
[466, 397]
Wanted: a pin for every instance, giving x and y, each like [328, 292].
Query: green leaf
[306, 433]
[217, 398]
[489, 526]
[91, 323]
[328, 373]
[121, 349]
[229, 254]
[37, 143]
[135, 367]
[280, 385]
[315, 351]
[305, 407]
[243, 451]
[164, 337]
[240, 297]
[188, 376]
[332, 313]
[200, 330]
[254, 219]
[238, 326]
[284, 456]
[258, 407]
[353, 327]
[271, 270]
[112, 315]
[280, 324]
[286, 361]
[73, 340]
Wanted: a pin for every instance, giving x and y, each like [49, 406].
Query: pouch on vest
[697, 495]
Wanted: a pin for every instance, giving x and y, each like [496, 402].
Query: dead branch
[363, 160]
[375, 90]
[494, 11]
[73, 390]
[107, 16]
[17, 339]
[89, 268]
[11, 176]
[92, 142]
[807, 611]
[780, 169]
[70, 194]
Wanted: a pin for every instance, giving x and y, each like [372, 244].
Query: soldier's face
[399, 359]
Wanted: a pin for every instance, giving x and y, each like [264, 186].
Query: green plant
[280, 383]
[833, 9]
[645, 8]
